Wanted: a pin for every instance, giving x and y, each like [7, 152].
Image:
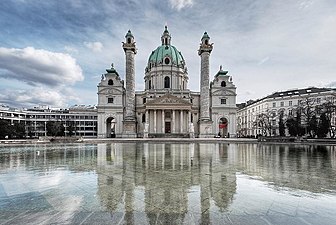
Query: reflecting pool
[147, 183]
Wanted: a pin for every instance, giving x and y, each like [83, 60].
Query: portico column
[189, 118]
[154, 121]
[147, 116]
[163, 121]
[181, 121]
[146, 128]
[173, 122]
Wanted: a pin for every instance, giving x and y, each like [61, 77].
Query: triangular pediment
[223, 93]
[168, 99]
[112, 91]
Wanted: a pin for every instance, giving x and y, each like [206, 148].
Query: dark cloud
[35, 66]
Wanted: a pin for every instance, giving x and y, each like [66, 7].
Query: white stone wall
[178, 77]
[227, 110]
[105, 109]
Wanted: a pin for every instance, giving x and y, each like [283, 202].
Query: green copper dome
[166, 55]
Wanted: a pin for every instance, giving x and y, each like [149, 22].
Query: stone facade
[166, 108]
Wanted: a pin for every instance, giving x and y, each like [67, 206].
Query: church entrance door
[110, 127]
[167, 128]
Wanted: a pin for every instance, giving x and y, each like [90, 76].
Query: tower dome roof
[166, 54]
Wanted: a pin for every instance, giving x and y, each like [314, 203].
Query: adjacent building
[82, 119]
[285, 102]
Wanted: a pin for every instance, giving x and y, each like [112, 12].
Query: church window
[206, 42]
[191, 100]
[149, 84]
[166, 82]
[281, 104]
[144, 118]
[129, 41]
[144, 100]
[167, 115]
[166, 41]
[274, 104]
[223, 101]
[110, 82]
[110, 100]
[191, 118]
[167, 61]
[223, 84]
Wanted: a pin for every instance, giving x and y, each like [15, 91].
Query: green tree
[282, 130]
[329, 108]
[323, 126]
[292, 126]
[299, 128]
[6, 128]
[312, 126]
[55, 128]
[19, 130]
[71, 129]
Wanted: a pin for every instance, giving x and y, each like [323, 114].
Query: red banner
[222, 125]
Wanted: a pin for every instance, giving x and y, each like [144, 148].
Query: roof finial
[220, 68]
[112, 65]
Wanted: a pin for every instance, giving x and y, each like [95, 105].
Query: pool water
[167, 183]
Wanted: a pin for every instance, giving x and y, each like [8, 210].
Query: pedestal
[146, 130]
[129, 129]
[191, 130]
[206, 129]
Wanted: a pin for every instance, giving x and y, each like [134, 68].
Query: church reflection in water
[175, 183]
[165, 180]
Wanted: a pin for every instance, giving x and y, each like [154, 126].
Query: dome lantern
[165, 38]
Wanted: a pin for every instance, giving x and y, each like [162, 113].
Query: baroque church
[166, 108]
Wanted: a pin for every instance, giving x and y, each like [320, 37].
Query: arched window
[206, 42]
[149, 84]
[129, 41]
[144, 118]
[166, 82]
[110, 82]
[223, 84]
[167, 61]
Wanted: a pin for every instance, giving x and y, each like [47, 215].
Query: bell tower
[205, 121]
[129, 123]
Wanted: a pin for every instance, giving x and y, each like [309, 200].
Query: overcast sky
[54, 52]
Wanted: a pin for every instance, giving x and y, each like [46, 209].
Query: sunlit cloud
[180, 4]
[94, 46]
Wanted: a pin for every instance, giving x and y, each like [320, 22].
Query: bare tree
[307, 108]
[263, 122]
[329, 108]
